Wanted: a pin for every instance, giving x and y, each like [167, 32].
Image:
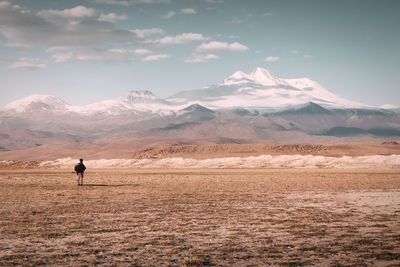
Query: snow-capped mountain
[142, 96]
[263, 89]
[134, 102]
[258, 76]
[266, 77]
[258, 90]
[38, 103]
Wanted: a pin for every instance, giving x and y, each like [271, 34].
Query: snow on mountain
[238, 77]
[258, 90]
[317, 91]
[134, 102]
[142, 96]
[389, 106]
[146, 101]
[266, 77]
[258, 76]
[263, 89]
[38, 103]
[110, 107]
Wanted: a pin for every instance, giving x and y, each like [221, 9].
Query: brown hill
[151, 148]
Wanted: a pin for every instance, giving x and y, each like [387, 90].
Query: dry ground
[200, 218]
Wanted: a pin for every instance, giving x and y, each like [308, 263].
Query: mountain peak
[37, 103]
[307, 108]
[266, 77]
[196, 112]
[264, 71]
[197, 108]
[238, 77]
[259, 76]
[39, 98]
[139, 95]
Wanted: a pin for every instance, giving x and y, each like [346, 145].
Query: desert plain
[200, 217]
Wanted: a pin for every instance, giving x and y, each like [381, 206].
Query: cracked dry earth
[200, 218]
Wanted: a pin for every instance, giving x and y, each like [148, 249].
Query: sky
[90, 50]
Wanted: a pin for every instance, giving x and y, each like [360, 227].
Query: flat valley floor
[229, 217]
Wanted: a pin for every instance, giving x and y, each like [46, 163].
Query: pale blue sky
[85, 51]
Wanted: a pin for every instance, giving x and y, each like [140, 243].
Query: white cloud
[180, 39]
[309, 56]
[169, 15]
[97, 55]
[16, 45]
[200, 58]
[141, 52]
[75, 12]
[294, 52]
[215, 46]
[188, 11]
[4, 4]
[27, 63]
[272, 59]
[79, 12]
[111, 17]
[86, 54]
[143, 33]
[84, 34]
[118, 50]
[147, 55]
[77, 26]
[184, 11]
[155, 57]
[208, 51]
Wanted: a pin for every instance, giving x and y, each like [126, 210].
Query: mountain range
[260, 89]
[243, 108]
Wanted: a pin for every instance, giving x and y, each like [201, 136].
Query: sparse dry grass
[200, 218]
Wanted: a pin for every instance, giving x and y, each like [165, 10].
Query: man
[80, 169]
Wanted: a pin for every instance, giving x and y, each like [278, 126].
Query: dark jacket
[80, 167]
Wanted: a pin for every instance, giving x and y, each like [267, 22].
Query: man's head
[81, 160]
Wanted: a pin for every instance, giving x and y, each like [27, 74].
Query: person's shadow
[110, 185]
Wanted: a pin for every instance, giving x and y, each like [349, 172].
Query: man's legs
[80, 178]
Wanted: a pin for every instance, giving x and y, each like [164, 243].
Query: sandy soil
[200, 218]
